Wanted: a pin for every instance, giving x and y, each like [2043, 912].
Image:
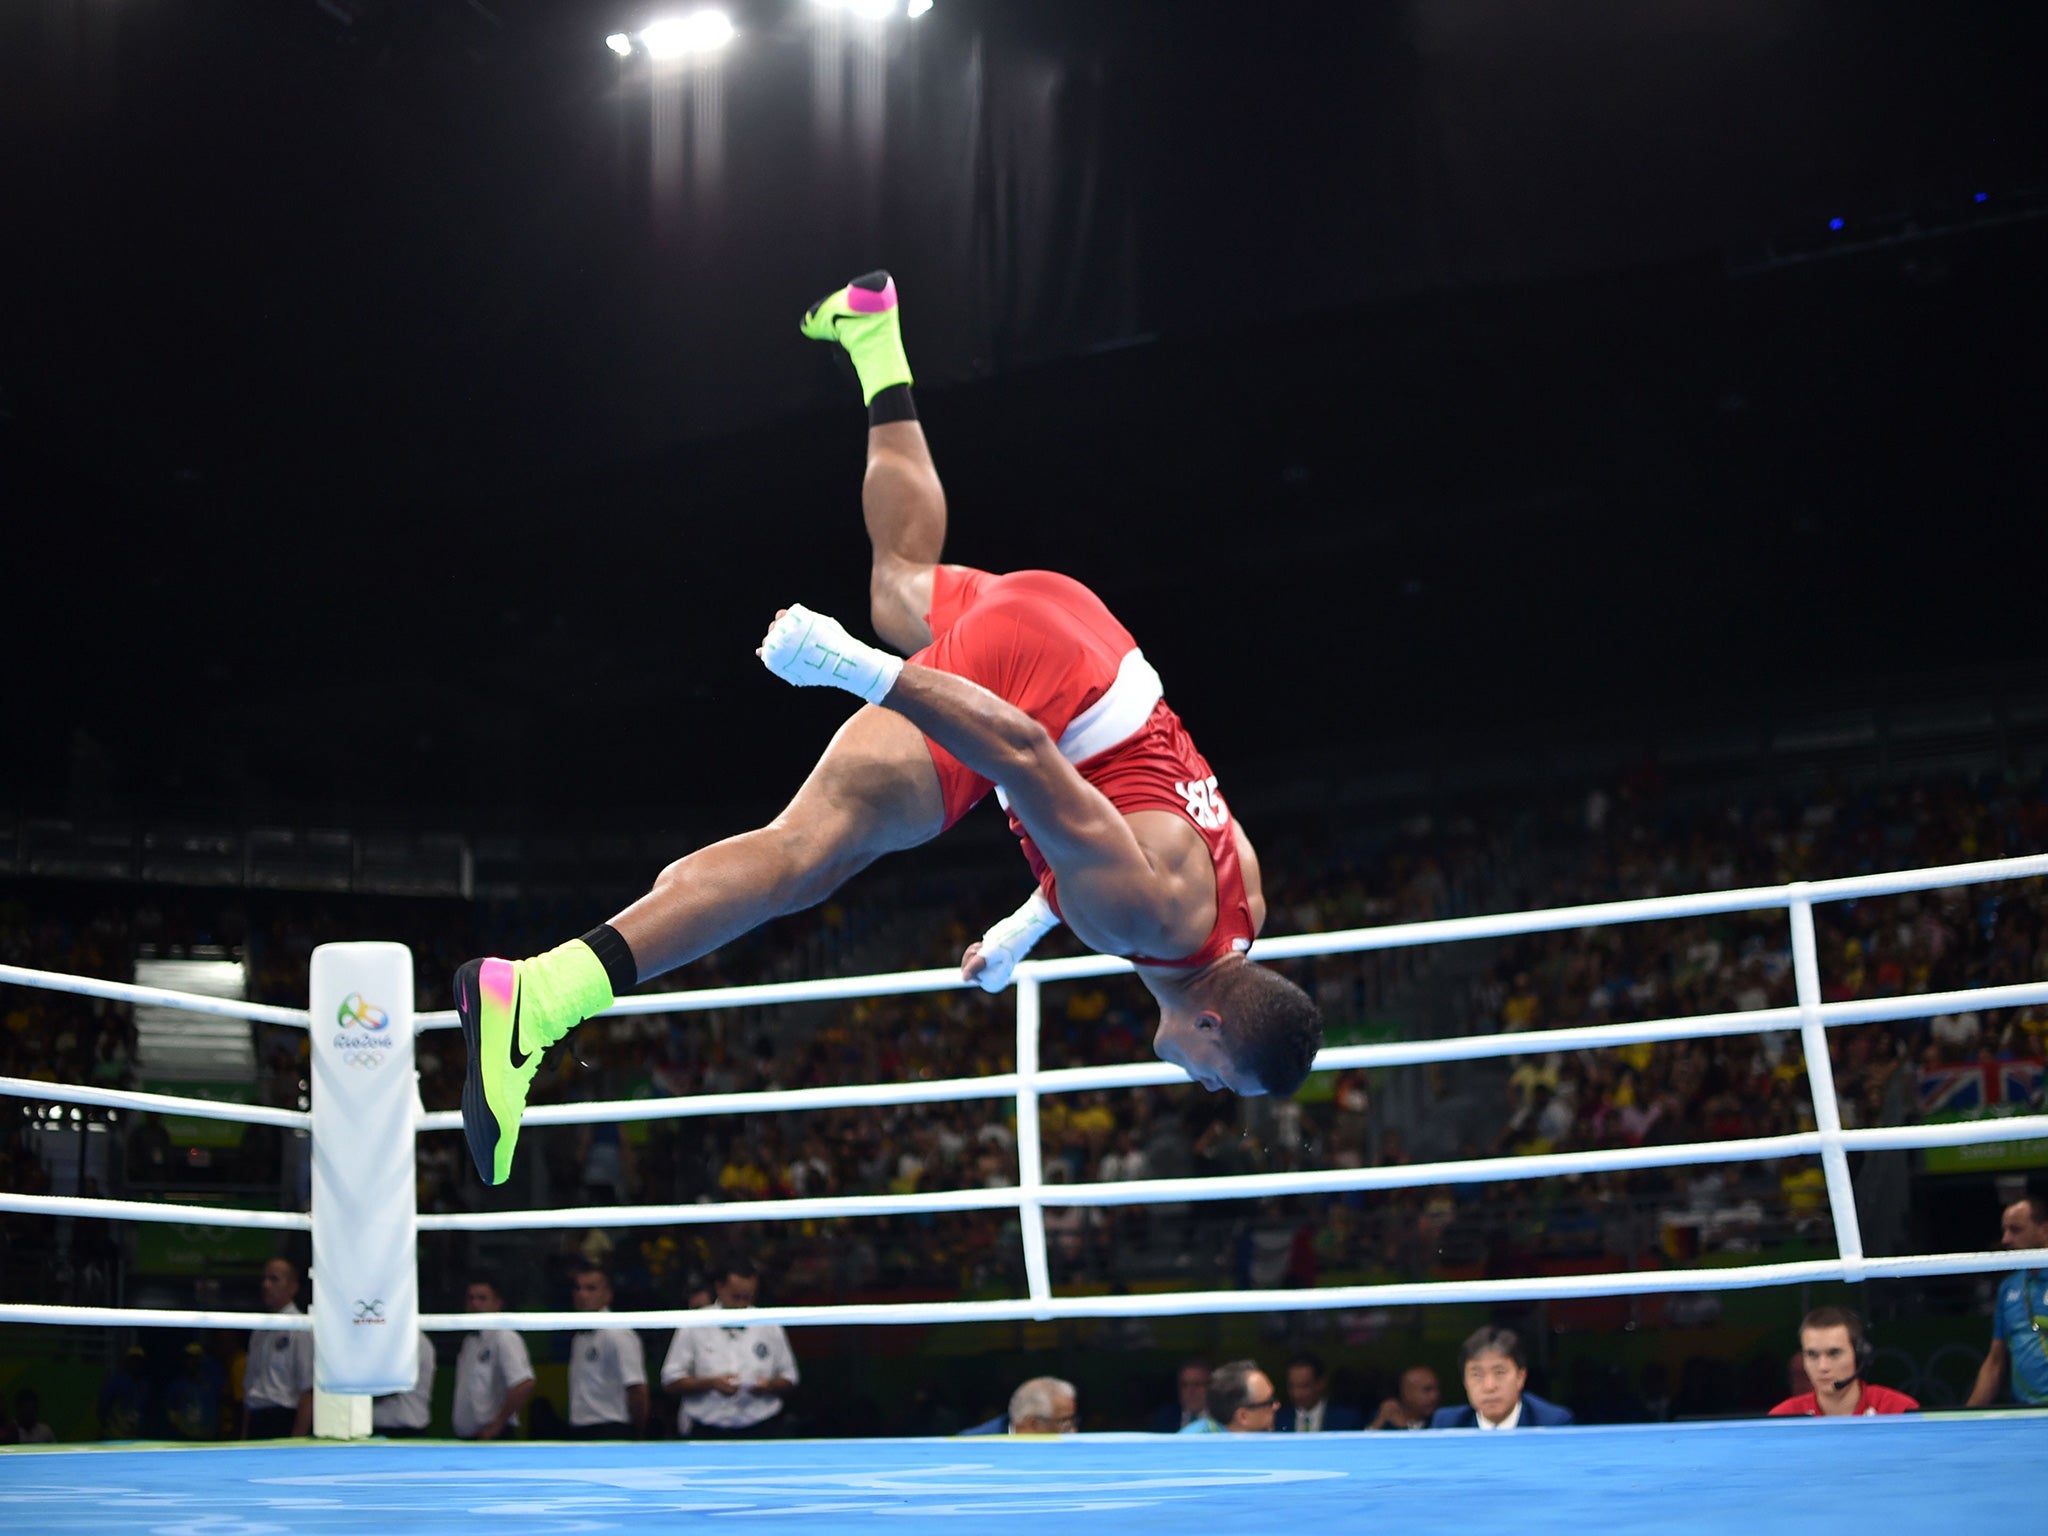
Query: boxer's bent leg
[905, 509]
[873, 792]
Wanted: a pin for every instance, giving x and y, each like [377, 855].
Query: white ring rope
[1157, 1304]
[155, 1103]
[151, 1210]
[1351, 941]
[1908, 1138]
[1252, 1186]
[1247, 1186]
[1400, 1053]
[924, 1203]
[153, 1317]
[128, 992]
[1314, 1298]
[1293, 946]
[945, 1090]
[831, 989]
[1830, 1141]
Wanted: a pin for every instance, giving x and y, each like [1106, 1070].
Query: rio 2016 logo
[357, 1012]
[362, 1038]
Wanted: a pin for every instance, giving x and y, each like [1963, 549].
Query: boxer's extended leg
[901, 498]
[905, 509]
[874, 791]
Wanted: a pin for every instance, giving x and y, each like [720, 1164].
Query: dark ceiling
[1382, 364]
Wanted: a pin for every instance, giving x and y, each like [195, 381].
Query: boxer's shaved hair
[1271, 1027]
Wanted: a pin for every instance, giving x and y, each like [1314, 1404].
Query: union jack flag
[1978, 1085]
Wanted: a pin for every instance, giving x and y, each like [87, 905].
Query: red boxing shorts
[1048, 645]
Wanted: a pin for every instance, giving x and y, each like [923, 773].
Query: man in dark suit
[1191, 1403]
[1309, 1409]
[1496, 1371]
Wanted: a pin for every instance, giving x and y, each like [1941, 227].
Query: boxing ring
[1950, 1467]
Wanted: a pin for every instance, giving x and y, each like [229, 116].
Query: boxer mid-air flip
[1022, 681]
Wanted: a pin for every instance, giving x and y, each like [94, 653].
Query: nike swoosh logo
[519, 1058]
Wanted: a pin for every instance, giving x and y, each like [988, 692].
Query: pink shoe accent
[495, 980]
[865, 301]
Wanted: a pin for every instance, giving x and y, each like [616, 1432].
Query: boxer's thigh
[874, 791]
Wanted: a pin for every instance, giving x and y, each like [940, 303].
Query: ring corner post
[1030, 1153]
[365, 1210]
[1820, 1081]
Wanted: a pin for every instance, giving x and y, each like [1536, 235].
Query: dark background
[402, 417]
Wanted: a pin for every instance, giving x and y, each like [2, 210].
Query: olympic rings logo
[367, 1061]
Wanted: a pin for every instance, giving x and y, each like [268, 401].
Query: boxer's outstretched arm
[1085, 839]
[1080, 833]
[992, 959]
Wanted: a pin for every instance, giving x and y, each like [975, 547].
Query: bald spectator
[277, 1383]
[1191, 1401]
[1308, 1409]
[1414, 1405]
[1496, 1381]
[493, 1372]
[1044, 1405]
[1241, 1401]
[2019, 1315]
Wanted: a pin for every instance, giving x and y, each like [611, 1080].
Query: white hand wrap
[813, 650]
[1010, 941]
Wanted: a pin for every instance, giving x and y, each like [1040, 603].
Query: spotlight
[619, 43]
[917, 8]
[871, 10]
[1834, 223]
[698, 32]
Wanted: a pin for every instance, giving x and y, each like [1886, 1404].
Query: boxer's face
[1194, 1043]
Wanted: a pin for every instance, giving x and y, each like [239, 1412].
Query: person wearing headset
[2019, 1315]
[1837, 1353]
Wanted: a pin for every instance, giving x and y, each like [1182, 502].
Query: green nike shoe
[863, 318]
[502, 1063]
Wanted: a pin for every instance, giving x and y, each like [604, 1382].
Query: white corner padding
[365, 1208]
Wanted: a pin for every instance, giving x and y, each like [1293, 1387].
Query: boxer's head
[1242, 1027]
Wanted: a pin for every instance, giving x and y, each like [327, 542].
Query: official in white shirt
[732, 1380]
[493, 1373]
[607, 1370]
[402, 1415]
[277, 1383]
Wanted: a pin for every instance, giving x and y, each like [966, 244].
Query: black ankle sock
[616, 958]
[892, 404]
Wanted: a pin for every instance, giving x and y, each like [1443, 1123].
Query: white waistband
[1117, 716]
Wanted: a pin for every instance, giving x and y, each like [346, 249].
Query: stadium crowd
[1627, 840]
